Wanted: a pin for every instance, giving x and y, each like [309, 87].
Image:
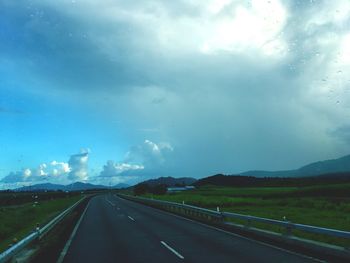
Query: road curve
[118, 230]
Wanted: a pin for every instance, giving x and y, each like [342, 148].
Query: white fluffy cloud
[112, 169]
[150, 154]
[78, 164]
[143, 160]
[56, 172]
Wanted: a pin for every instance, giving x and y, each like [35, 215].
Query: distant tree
[159, 189]
[182, 184]
[141, 189]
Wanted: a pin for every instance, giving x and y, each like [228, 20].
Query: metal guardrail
[37, 234]
[221, 216]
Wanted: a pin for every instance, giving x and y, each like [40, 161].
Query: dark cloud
[13, 177]
[62, 51]
[227, 88]
[342, 133]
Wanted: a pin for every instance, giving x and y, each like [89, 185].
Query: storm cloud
[207, 86]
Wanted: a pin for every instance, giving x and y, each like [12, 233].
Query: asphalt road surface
[118, 230]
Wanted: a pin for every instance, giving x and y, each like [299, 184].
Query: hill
[339, 165]
[78, 186]
[120, 186]
[251, 181]
[170, 181]
[40, 187]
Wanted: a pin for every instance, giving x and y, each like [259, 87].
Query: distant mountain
[322, 167]
[170, 181]
[120, 186]
[78, 186]
[251, 181]
[41, 187]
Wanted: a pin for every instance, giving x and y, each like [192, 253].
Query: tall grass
[324, 206]
[18, 221]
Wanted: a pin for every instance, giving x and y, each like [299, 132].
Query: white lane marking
[172, 250]
[226, 232]
[110, 202]
[66, 247]
[131, 218]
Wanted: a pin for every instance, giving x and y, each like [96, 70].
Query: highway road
[118, 230]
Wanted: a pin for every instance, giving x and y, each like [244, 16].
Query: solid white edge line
[172, 250]
[66, 247]
[227, 232]
[131, 218]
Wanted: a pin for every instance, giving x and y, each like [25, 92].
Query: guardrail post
[248, 223]
[289, 228]
[37, 231]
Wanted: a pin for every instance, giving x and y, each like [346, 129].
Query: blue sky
[122, 91]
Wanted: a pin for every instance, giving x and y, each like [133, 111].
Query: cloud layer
[229, 85]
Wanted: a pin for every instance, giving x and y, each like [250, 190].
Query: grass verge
[304, 205]
[18, 221]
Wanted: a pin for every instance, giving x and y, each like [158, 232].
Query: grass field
[17, 221]
[325, 206]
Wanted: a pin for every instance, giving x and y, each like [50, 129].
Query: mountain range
[317, 168]
[170, 181]
[77, 186]
[329, 168]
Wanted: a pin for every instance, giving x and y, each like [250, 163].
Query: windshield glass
[118, 92]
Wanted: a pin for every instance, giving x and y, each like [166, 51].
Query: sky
[119, 91]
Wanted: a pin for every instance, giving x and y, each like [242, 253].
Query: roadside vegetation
[25, 210]
[321, 205]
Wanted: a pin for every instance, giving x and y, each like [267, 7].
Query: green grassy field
[17, 221]
[324, 206]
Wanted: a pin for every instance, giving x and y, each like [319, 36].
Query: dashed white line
[172, 250]
[110, 202]
[131, 218]
[227, 232]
